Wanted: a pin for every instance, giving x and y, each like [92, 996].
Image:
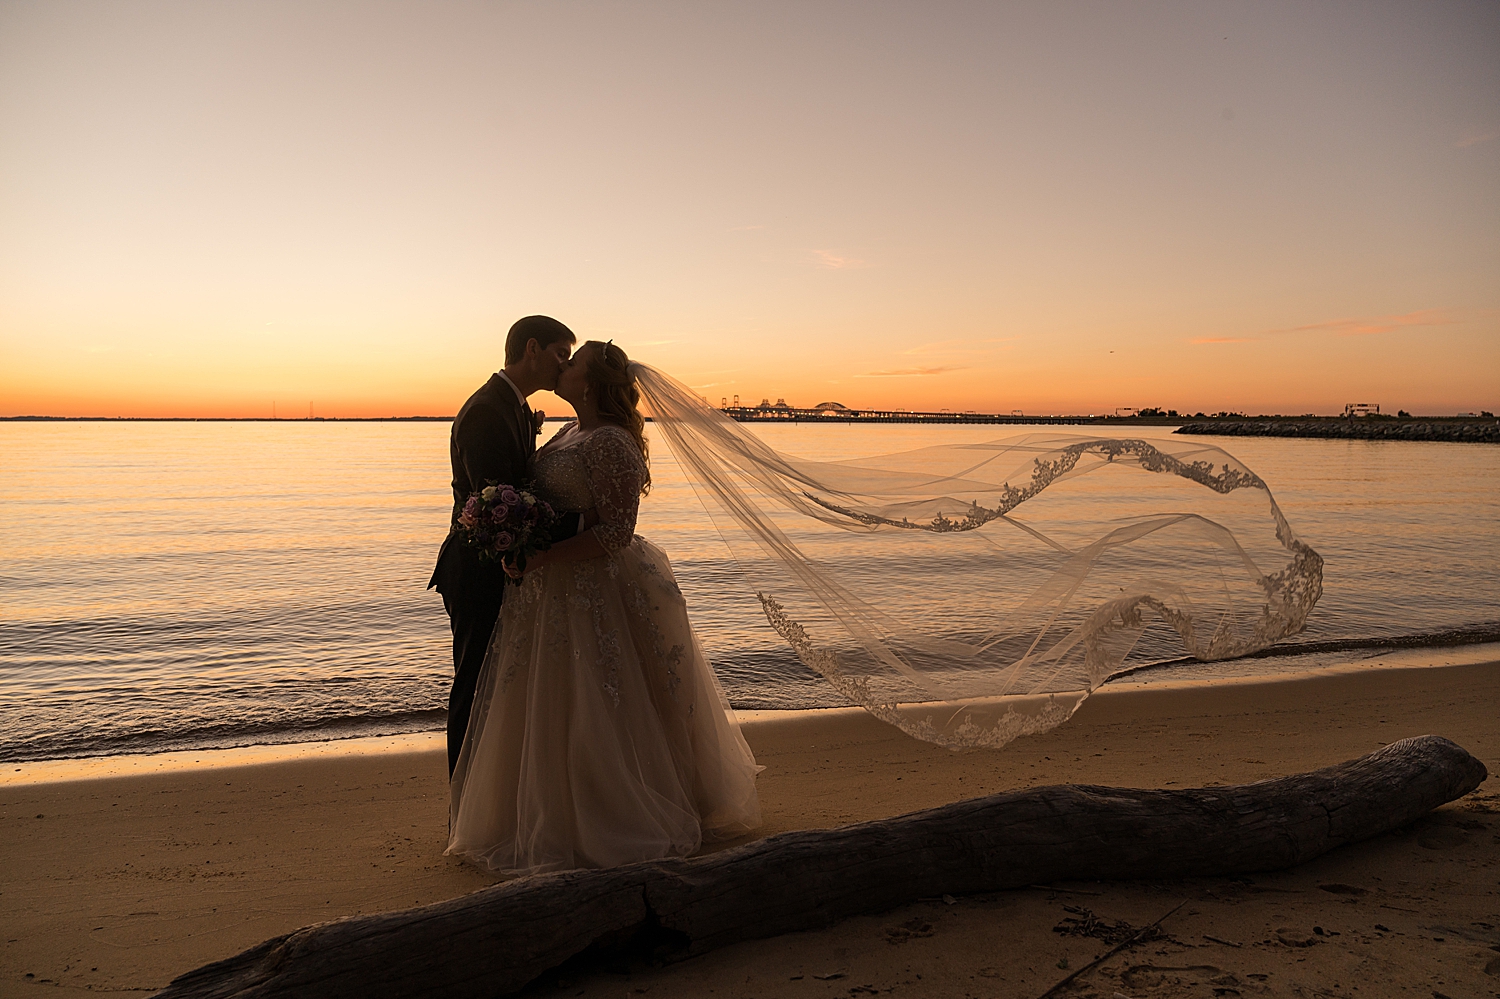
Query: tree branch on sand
[498, 939]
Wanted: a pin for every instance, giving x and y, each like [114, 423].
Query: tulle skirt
[599, 734]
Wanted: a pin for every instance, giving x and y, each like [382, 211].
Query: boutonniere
[538, 417]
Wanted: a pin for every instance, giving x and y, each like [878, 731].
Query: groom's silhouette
[493, 440]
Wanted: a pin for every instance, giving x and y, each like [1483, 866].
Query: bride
[599, 734]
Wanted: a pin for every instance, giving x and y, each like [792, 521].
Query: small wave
[1477, 634]
[234, 736]
[765, 678]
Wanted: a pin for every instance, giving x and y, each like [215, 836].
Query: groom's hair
[543, 329]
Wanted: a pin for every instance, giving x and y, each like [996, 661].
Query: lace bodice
[599, 469]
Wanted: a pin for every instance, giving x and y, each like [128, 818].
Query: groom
[493, 440]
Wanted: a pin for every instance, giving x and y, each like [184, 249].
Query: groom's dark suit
[493, 440]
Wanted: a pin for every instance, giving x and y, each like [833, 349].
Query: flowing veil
[972, 593]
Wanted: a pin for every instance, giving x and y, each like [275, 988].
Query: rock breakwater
[1479, 430]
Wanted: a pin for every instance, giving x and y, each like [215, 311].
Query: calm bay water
[179, 585]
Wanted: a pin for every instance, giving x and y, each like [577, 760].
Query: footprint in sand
[1441, 837]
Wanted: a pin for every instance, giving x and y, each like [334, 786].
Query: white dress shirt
[519, 394]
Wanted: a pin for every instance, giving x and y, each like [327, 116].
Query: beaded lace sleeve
[615, 470]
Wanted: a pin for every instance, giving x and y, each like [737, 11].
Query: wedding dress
[599, 734]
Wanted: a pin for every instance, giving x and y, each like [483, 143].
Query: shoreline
[24, 772]
[122, 881]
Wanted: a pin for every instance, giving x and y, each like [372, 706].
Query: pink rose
[509, 496]
[504, 540]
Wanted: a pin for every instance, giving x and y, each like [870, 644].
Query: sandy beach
[120, 877]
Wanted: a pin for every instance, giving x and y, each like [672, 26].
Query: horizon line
[1118, 418]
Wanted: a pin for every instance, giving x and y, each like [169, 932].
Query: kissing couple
[585, 726]
[966, 592]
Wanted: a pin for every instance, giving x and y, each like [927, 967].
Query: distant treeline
[234, 419]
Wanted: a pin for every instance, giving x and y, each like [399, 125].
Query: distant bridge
[832, 413]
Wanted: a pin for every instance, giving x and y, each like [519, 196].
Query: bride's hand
[535, 562]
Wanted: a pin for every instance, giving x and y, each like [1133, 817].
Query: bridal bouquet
[507, 523]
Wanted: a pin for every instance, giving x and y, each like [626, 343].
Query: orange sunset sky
[210, 208]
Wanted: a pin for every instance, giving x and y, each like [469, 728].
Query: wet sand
[119, 883]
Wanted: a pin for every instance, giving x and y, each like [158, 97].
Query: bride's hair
[612, 379]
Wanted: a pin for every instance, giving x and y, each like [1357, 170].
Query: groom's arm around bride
[493, 440]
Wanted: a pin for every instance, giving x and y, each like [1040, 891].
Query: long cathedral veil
[972, 593]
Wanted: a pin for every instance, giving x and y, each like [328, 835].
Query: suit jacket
[493, 440]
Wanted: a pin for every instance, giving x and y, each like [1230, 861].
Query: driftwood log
[498, 939]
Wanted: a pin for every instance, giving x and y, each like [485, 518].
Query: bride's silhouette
[599, 735]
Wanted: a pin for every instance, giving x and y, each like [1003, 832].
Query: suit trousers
[472, 613]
